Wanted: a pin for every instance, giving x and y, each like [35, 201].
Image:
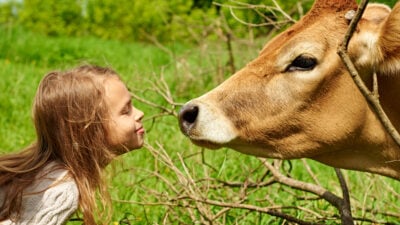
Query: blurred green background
[139, 19]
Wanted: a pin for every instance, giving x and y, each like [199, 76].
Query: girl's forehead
[115, 90]
[111, 82]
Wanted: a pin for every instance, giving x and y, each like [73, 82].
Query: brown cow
[296, 99]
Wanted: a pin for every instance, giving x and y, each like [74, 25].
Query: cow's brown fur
[269, 111]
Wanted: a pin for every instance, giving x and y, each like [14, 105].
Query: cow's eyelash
[302, 63]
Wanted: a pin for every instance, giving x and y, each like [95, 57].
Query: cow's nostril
[188, 116]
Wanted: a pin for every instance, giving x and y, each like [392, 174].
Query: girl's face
[126, 130]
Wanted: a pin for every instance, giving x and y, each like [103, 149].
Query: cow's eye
[302, 63]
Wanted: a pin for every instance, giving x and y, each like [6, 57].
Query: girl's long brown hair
[70, 117]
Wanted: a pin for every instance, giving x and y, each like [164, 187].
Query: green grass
[189, 71]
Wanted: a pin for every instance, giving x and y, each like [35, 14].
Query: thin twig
[272, 10]
[345, 209]
[308, 168]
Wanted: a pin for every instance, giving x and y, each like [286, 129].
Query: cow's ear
[365, 47]
[390, 35]
[376, 13]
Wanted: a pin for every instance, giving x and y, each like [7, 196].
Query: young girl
[84, 118]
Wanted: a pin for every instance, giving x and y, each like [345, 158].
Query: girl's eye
[302, 63]
[127, 110]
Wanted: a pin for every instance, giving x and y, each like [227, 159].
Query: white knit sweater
[51, 200]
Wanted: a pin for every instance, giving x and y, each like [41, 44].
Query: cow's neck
[374, 150]
[389, 91]
[382, 154]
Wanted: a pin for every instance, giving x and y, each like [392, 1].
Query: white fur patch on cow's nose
[204, 122]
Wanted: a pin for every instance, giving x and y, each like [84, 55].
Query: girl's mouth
[140, 130]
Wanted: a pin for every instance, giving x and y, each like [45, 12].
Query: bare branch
[345, 209]
[308, 187]
[308, 168]
[161, 88]
[272, 9]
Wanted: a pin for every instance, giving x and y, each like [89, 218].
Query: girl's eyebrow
[129, 101]
[126, 105]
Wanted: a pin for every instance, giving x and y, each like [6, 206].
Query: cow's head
[298, 100]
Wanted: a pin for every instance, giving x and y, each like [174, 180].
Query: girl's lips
[141, 130]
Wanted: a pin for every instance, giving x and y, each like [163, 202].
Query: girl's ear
[389, 42]
[365, 45]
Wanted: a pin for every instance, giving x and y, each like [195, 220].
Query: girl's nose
[139, 114]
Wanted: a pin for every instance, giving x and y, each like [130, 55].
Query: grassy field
[157, 184]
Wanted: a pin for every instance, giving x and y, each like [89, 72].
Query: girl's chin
[136, 145]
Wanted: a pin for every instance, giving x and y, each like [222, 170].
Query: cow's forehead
[324, 29]
[326, 17]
